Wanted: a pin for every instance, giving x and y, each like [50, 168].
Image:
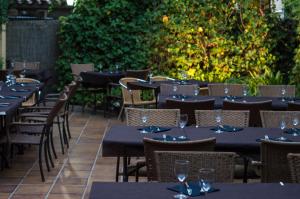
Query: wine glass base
[143, 131]
[180, 196]
[218, 131]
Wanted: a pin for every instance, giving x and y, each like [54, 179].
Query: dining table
[127, 141]
[157, 190]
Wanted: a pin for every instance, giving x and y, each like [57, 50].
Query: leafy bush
[3, 11]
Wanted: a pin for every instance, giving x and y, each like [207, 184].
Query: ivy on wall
[3, 11]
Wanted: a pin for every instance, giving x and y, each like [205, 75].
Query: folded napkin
[172, 138]
[154, 129]
[292, 131]
[227, 128]
[194, 186]
[231, 97]
[281, 139]
[10, 97]
[180, 96]
[20, 90]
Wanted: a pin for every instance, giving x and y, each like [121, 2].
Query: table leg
[125, 169]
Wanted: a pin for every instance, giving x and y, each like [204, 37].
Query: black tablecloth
[122, 140]
[100, 79]
[277, 103]
[227, 191]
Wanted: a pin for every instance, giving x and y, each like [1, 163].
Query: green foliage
[1, 62]
[3, 11]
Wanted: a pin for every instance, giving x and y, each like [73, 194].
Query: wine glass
[117, 66]
[282, 125]
[182, 122]
[181, 169]
[183, 75]
[144, 118]
[283, 92]
[226, 91]
[245, 92]
[196, 91]
[22, 74]
[218, 121]
[150, 77]
[206, 177]
[295, 124]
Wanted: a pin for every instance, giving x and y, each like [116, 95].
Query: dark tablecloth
[104, 190]
[277, 103]
[122, 140]
[100, 79]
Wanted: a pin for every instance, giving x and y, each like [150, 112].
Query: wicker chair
[272, 119]
[151, 145]
[156, 117]
[33, 99]
[294, 163]
[139, 74]
[167, 89]
[161, 78]
[253, 107]
[189, 107]
[78, 68]
[132, 97]
[293, 106]
[274, 161]
[205, 118]
[218, 89]
[28, 65]
[221, 162]
[275, 90]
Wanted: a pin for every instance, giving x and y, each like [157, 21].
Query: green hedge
[212, 40]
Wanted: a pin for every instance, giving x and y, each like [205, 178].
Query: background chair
[276, 90]
[272, 119]
[168, 89]
[150, 146]
[156, 117]
[189, 107]
[218, 89]
[221, 162]
[294, 163]
[253, 107]
[35, 96]
[274, 161]
[28, 65]
[132, 97]
[139, 74]
[238, 118]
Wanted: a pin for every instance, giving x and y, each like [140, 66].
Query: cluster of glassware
[10, 80]
[295, 122]
[206, 176]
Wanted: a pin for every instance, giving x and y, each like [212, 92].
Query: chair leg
[65, 133]
[46, 156]
[60, 136]
[41, 162]
[52, 145]
[49, 153]
[246, 162]
[117, 169]
[121, 111]
[137, 175]
[68, 126]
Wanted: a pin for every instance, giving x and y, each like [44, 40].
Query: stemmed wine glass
[282, 125]
[226, 91]
[150, 77]
[206, 177]
[245, 92]
[22, 74]
[175, 90]
[181, 170]
[295, 124]
[218, 121]
[283, 92]
[144, 118]
[196, 91]
[182, 123]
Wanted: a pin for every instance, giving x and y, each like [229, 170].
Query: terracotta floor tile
[7, 188]
[72, 181]
[29, 196]
[36, 189]
[65, 196]
[10, 180]
[68, 189]
[4, 195]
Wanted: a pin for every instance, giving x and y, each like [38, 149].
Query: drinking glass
[282, 125]
[295, 124]
[117, 66]
[183, 75]
[283, 92]
[206, 178]
[182, 122]
[245, 92]
[226, 91]
[22, 74]
[196, 91]
[181, 169]
[218, 121]
[150, 77]
[174, 90]
[144, 118]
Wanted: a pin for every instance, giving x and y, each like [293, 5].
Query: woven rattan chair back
[222, 162]
[78, 68]
[253, 107]
[31, 101]
[272, 119]
[293, 106]
[294, 164]
[218, 89]
[151, 145]
[28, 65]
[275, 166]
[156, 117]
[189, 107]
[161, 78]
[130, 96]
[238, 118]
[276, 90]
[140, 74]
[168, 89]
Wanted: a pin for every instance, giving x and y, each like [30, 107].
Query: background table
[227, 191]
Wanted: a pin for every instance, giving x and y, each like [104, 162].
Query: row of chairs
[34, 126]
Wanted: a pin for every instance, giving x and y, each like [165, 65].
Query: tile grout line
[22, 180]
[66, 159]
[95, 161]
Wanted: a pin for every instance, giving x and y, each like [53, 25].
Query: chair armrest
[27, 124]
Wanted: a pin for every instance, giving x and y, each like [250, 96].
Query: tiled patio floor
[73, 172]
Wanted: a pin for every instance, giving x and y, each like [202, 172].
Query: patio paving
[74, 171]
